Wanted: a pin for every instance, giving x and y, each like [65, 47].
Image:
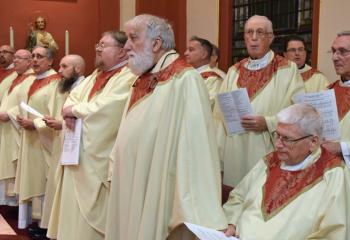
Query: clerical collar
[76, 83]
[10, 66]
[43, 75]
[303, 164]
[256, 64]
[345, 82]
[202, 68]
[123, 63]
[302, 67]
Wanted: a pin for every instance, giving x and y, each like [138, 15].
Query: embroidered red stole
[146, 83]
[206, 75]
[256, 80]
[4, 73]
[40, 83]
[282, 187]
[308, 74]
[342, 96]
[101, 80]
[18, 80]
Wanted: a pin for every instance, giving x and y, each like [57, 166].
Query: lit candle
[67, 43]
[12, 42]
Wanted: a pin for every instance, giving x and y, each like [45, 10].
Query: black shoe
[39, 236]
[36, 231]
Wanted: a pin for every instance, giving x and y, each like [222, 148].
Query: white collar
[76, 83]
[10, 66]
[345, 83]
[44, 74]
[303, 164]
[202, 68]
[123, 63]
[256, 64]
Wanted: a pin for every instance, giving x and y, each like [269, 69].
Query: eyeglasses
[20, 58]
[342, 52]
[294, 50]
[287, 141]
[38, 56]
[103, 46]
[6, 52]
[259, 33]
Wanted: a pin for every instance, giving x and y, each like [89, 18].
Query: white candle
[67, 43]
[12, 42]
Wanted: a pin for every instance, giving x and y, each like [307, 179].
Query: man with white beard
[165, 168]
[80, 203]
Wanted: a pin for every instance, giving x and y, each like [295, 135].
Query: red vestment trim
[256, 80]
[282, 187]
[342, 96]
[308, 74]
[39, 83]
[4, 73]
[18, 80]
[147, 82]
[101, 81]
[206, 75]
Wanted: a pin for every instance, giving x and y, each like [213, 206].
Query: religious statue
[39, 37]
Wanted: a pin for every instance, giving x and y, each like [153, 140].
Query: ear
[272, 38]
[157, 44]
[314, 143]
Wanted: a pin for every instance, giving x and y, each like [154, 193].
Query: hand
[53, 123]
[70, 123]
[231, 231]
[26, 123]
[254, 123]
[4, 117]
[333, 147]
[67, 112]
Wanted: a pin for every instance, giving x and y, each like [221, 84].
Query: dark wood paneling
[315, 30]
[225, 33]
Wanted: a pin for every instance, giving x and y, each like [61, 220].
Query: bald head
[6, 55]
[71, 68]
[22, 61]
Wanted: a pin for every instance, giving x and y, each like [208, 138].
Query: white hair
[155, 27]
[268, 23]
[305, 116]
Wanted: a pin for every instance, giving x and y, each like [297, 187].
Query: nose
[127, 45]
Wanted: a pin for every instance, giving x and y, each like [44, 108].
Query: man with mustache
[10, 133]
[271, 81]
[36, 156]
[295, 50]
[165, 166]
[71, 70]
[80, 202]
[297, 191]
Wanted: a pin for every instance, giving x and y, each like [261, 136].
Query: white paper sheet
[31, 110]
[71, 144]
[326, 105]
[233, 106]
[204, 233]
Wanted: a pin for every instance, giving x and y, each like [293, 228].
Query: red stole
[308, 74]
[342, 96]
[146, 83]
[5, 73]
[40, 83]
[256, 80]
[18, 80]
[282, 187]
[101, 81]
[206, 75]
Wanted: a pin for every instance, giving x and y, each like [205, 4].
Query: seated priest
[297, 191]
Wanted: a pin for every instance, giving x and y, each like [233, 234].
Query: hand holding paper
[204, 233]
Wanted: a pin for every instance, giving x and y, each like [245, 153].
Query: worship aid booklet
[204, 233]
[233, 106]
[326, 105]
[31, 110]
[71, 144]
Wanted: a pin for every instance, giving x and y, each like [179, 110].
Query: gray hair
[268, 23]
[155, 27]
[343, 33]
[305, 116]
[119, 36]
[50, 52]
